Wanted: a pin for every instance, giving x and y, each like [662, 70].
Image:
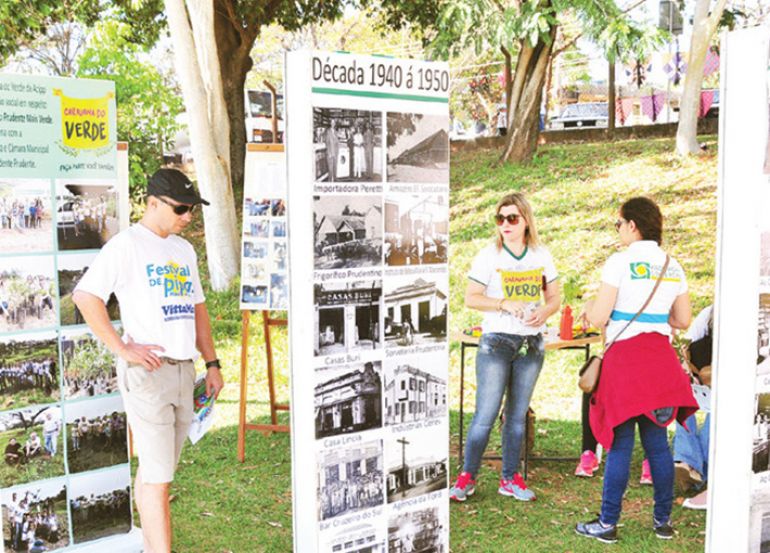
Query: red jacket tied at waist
[638, 375]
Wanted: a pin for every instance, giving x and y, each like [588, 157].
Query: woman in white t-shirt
[513, 282]
[642, 382]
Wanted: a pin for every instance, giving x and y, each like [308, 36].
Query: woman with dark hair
[642, 382]
[513, 282]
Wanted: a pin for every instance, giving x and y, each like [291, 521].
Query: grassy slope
[575, 190]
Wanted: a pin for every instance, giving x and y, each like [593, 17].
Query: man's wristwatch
[213, 363]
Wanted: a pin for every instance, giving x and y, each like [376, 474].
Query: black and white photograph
[348, 316]
[257, 227]
[29, 372]
[35, 517]
[96, 434]
[418, 148]
[347, 145]
[362, 538]
[416, 229]
[25, 216]
[763, 335]
[412, 392]
[253, 207]
[100, 504]
[415, 465]
[90, 368]
[759, 522]
[254, 295]
[86, 214]
[348, 231]
[279, 291]
[415, 311]
[418, 531]
[280, 256]
[255, 250]
[761, 436]
[255, 270]
[348, 399]
[279, 229]
[27, 293]
[72, 267]
[31, 439]
[350, 480]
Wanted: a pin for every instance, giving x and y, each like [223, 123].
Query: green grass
[576, 190]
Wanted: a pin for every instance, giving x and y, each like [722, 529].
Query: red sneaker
[588, 464]
[464, 487]
[646, 478]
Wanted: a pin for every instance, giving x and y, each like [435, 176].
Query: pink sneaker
[588, 464]
[464, 487]
[646, 479]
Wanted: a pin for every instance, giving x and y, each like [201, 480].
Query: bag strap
[646, 303]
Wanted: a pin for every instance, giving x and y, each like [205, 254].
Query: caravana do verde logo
[85, 124]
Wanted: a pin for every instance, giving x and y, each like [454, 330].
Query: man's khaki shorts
[159, 407]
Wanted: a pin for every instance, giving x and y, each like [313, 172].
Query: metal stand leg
[462, 397]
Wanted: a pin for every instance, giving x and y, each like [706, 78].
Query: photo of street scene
[418, 148]
[25, 216]
[72, 267]
[96, 434]
[35, 517]
[347, 145]
[347, 316]
[27, 293]
[100, 504]
[349, 480]
[86, 214]
[415, 465]
[90, 368]
[421, 530]
[348, 231]
[31, 440]
[29, 372]
[416, 229]
[415, 311]
[348, 399]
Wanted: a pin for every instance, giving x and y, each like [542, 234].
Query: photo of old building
[415, 312]
[412, 394]
[421, 530]
[347, 316]
[348, 399]
[414, 466]
[348, 231]
[361, 539]
[416, 229]
[418, 148]
[350, 480]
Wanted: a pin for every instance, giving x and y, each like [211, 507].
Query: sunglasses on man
[179, 209]
[512, 218]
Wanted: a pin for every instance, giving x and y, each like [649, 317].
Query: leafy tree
[89, 359]
[148, 103]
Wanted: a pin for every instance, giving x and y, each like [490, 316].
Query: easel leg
[269, 351]
[245, 316]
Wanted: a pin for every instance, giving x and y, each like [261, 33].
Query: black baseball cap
[174, 184]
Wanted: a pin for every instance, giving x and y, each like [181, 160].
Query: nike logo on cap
[188, 185]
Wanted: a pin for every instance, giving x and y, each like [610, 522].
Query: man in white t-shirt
[154, 274]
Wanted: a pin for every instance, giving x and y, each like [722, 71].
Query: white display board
[264, 244]
[368, 197]
[739, 479]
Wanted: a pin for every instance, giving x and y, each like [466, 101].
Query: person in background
[642, 382]
[514, 283]
[691, 448]
[502, 122]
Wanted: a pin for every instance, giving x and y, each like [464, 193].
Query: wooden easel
[243, 426]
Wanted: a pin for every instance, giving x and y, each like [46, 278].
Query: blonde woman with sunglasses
[514, 283]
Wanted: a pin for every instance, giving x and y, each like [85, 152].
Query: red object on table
[565, 329]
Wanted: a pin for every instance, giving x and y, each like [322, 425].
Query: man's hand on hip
[141, 354]
[214, 382]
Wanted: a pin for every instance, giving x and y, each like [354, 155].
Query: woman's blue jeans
[506, 364]
[655, 443]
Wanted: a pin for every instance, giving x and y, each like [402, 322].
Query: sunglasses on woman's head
[512, 218]
[179, 209]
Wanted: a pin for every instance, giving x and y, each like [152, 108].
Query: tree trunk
[703, 28]
[234, 49]
[507, 75]
[200, 79]
[526, 95]
[611, 101]
[548, 86]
